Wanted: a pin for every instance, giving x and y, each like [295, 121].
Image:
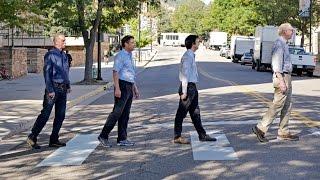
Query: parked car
[228, 54]
[246, 58]
[223, 51]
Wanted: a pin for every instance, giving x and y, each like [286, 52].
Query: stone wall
[15, 61]
[78, 53]
[35, 59]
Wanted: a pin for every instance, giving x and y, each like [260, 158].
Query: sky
[207, 1]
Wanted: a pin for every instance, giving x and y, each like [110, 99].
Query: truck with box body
[239, 46]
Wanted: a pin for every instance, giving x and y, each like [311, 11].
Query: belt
[60, 85]
[286, 73]
[125, 82]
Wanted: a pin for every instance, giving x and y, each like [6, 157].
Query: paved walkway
[21, 99]
[317, 70]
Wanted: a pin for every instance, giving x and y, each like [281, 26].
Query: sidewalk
[21, 99]
[317, 70]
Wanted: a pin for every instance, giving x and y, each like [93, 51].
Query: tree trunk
[88, 41]
[302, 39]
[88, 63]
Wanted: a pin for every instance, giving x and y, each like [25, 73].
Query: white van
[240, 45]
[173, 39]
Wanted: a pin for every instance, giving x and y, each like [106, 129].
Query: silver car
[246, 58]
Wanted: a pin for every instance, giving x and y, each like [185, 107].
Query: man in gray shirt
[282, 68]
[188, 92]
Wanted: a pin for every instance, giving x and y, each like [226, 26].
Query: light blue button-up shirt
[188, 70]
[281, 61]
[124, 65]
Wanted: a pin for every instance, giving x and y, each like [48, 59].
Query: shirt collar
[283, 39]
[126, 52]
[58, 50]
[191, 52]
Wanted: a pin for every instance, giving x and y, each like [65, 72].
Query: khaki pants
[281, 103]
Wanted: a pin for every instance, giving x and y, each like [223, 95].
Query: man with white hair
[282, 68]
[56, 76]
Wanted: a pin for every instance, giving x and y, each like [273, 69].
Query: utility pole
[310, 14]
[139, 32]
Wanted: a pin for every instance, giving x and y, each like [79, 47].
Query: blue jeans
[59, 101]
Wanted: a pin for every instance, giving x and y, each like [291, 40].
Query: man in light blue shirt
[188, 92]
[124, 90]
[282, 67]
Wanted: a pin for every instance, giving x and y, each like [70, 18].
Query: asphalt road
[233, 95]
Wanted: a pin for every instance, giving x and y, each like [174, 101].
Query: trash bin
[94, 72]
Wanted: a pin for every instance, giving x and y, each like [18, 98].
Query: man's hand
[283, 86]
[183, 96]
[117, 93]
[136, 92]
[51, 95]
[69, 90]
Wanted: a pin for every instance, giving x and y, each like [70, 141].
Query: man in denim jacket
[56, 76]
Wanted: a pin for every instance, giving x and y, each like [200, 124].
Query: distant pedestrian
[124, 90]
[56, 76]
[188, 92]
[282, 68]
[69, 58]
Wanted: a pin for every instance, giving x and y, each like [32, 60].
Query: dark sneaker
[207, 138]
[104, 142]
[260, 134]
[56, 144]
[181, 140]
[288, 137]
[125, 143]
[33, 143]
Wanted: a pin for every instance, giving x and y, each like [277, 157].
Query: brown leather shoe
[288, 137]
[181, 140]
[260, 134]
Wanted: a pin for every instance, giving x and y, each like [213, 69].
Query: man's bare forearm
[116, 79]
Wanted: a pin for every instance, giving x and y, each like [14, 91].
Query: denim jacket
[56, 69]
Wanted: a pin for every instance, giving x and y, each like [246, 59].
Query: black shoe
[104, 142]
[32, 143]
[260, 134]
[56, 144]
[207, 138]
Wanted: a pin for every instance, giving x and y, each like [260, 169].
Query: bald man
[56, 76]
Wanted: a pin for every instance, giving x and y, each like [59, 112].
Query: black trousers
[190, 104]
[59, 101]
[120, 112]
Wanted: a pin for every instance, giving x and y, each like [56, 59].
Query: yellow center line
[297, 115]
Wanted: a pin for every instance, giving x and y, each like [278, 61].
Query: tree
[233, 16]
[18, 13]
[274, 12]
[187, 18]
[84, 17]
[145, 35]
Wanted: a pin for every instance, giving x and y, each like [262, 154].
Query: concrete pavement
[21, 99]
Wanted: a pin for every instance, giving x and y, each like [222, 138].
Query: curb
[23, 126]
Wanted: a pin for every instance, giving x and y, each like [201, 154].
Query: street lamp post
[139, 33]
[99, 52]
[310, 14]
